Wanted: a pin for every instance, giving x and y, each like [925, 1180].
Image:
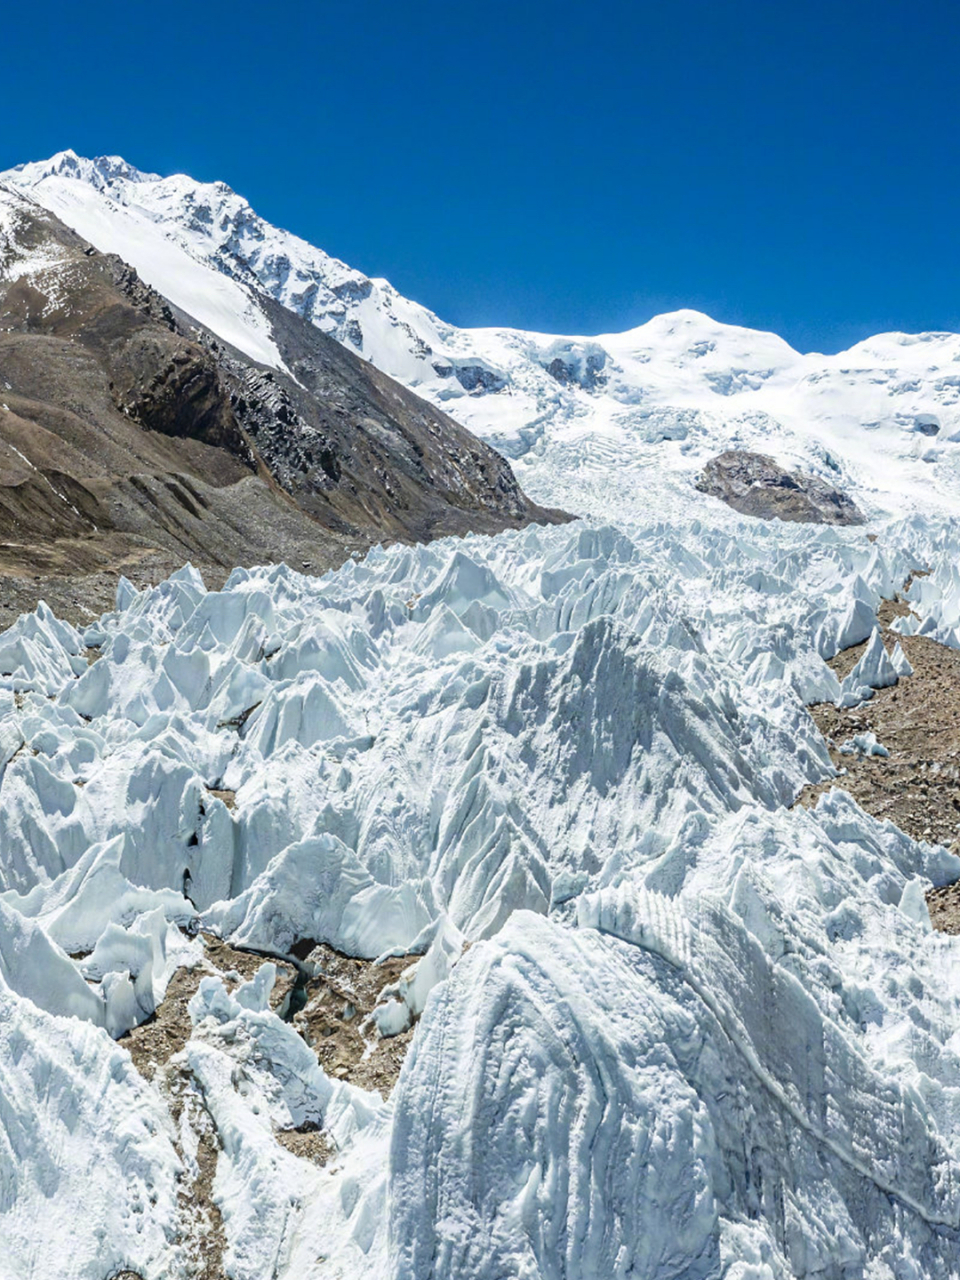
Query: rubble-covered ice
[668, 1025]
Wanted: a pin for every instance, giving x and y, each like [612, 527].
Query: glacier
[666, 1023]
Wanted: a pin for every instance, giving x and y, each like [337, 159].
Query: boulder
[755, 485]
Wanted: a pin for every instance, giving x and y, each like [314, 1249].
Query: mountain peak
[100, 171]
[681, 376]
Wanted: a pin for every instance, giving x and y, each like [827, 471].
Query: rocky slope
[132, 437]
[755, 485]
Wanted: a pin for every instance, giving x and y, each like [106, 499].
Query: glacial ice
[900, 662]
[695, 1031]
[874, 670]
[88, 1166]
[863, 744]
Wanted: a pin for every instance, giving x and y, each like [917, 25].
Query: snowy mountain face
[660, 1022]
[889, 404]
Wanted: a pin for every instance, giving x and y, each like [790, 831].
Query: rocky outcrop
[755, 485]
[130, 434]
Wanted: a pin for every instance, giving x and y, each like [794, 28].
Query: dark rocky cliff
[131, 439]
[755, 485]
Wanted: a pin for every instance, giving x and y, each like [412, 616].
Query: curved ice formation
[88, 1166]
[694, 1033]
[683, 1075]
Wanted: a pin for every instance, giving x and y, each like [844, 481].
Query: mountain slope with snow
[130, 433]
[889, 403]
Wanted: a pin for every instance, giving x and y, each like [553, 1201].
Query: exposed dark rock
[130, 435]
[472, 377]
[755, 485]
[354, 334]
[586, 373]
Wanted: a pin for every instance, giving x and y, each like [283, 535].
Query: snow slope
[696, 1033]
[880, 419]
[215, 299]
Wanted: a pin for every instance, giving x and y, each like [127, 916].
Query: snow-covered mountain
[655, 1020]
[889, 404]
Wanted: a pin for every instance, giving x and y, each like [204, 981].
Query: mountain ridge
[129, 432]
[680, 380]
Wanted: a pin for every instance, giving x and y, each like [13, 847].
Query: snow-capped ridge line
[108, 170]
[881, 420]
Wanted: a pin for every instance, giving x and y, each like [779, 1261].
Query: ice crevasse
[696, 1032]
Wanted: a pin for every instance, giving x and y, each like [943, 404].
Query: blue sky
[569, 168]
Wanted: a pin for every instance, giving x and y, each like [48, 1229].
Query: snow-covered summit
[99, 172]
[882, 418]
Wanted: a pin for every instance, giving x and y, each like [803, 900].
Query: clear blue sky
[564, 167]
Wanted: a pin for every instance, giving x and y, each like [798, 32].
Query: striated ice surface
[696, 1032]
